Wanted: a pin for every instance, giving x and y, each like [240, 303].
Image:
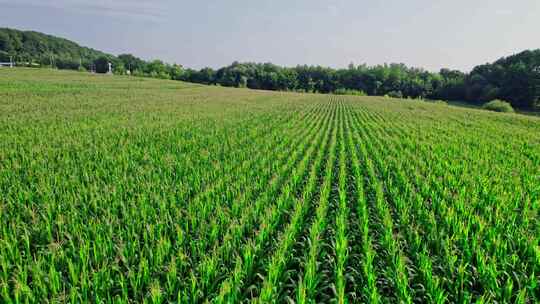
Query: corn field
[128, 190]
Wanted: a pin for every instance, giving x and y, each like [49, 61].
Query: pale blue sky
[424, 33]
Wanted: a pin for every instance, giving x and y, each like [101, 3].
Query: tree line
[515, 79]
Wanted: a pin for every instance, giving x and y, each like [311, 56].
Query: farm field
[132, 190]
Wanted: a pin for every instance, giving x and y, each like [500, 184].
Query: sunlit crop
[128, 190]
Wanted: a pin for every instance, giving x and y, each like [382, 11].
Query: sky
[431, 34]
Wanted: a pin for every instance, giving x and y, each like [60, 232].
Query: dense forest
[515, 79]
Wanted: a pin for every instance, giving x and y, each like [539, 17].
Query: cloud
[147, 10]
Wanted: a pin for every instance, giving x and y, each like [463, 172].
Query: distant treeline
[515, 78]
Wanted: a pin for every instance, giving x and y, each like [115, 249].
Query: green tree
[131, 62]
[102, 64]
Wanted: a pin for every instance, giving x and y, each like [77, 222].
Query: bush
[343, 91]
[395, 94]
[498, 105]
[4, 56]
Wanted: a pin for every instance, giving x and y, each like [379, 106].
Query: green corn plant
[229, 291]
[369, 291]
[210, 273]
[307, 288]
[341, 241]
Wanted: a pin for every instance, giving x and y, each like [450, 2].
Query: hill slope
[117, 189]
[30, 46]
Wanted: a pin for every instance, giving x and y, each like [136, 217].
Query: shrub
[342, 91]
[498, 105]
[536, 105]
[395, 94]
